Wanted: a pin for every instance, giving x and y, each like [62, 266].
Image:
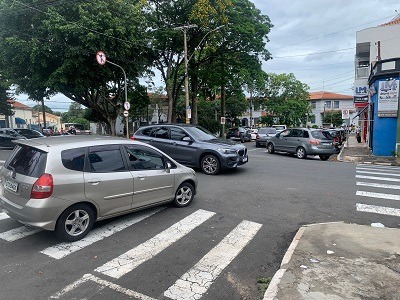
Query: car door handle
[94, 181]
[142, 177]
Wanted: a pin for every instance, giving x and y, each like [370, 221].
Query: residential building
[324, 102]
[22, 118]
[52, 121]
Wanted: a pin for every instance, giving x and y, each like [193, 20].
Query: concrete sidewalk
[352, 151]
[333, 261]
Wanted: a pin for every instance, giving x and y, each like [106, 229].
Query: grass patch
[262, 284]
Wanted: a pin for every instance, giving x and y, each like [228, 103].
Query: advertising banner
[388, 98]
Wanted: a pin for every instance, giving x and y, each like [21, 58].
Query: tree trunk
[223, 108]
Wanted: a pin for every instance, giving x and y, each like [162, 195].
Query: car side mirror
[187, 139]
[168, 168]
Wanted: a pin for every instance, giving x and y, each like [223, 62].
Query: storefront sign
[388, 98]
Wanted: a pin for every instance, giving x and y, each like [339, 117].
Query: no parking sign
[345, 114]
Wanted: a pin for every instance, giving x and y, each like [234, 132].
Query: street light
[186, 60]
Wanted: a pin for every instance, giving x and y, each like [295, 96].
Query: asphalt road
[235, 232]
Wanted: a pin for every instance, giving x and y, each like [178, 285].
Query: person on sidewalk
[358, 134]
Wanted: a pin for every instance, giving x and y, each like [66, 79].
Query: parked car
[303, 142]
[239, 134]
[7, 136]
[279, 128]
[253, 133]
[194, 146]
[65, 183]
[263, 134]
[29, 133]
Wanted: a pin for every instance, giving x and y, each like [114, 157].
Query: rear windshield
[27, 161]
[267, 130]
[321, 135]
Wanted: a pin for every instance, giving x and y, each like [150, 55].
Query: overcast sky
[316, 39]
[313, 39]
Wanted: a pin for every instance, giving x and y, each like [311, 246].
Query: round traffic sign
[126, 113]
[101, 58]
[127, 105]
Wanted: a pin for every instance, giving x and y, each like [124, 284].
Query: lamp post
[186, 60]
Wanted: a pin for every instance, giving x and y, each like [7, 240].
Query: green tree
[38, 107]
[333, 117]
[48, 48]
[286, 98]
[5, 106]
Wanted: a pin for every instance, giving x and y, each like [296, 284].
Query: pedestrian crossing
[376, 184]
[193, 284]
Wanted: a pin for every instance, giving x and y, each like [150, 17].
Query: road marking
[18, 233]
[379, 185]
[378, 178]
[377, 173]
[3, 216]
[105, 283]
[147, 250]
[63, 249]
[378, 209]
[378, 195]
[195, 283]
[379, 169]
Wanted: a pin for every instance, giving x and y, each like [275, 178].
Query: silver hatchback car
[303, 142]
[65, 183]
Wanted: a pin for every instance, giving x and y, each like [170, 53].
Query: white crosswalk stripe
[382, 174]
[147, 250]
[63, 249]
[195, 283]
[18, 233]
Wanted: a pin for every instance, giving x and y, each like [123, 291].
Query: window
[177, 134]
[147, 131]
[336, 104]
[143, 158]
[297, 133]
[160, 132]
[73, 159]
[328, 104]
[27, 161]
[313, 104]
[105, 159]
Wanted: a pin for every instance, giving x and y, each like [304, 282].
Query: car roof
[74, 141]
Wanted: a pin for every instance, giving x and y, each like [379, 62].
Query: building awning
[19, 121]
[361, 111]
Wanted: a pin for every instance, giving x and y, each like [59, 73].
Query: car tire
[270, 148]
[257, 145]
[301, 153]
[74, 223]
[210, 164]
[324, 157]
[184, 195]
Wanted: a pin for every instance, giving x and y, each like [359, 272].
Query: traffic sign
[126, 113]
[222, 120]
[101, 58]
[345, 114]
[127, 105]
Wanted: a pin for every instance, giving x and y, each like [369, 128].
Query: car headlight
[227, 151]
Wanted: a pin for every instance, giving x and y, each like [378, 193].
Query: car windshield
[200, 133]
[267, 130]
[321, 135]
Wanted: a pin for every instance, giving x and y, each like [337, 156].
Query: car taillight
[43, 187]
[314, 142]
[132, 137]
[257, 136]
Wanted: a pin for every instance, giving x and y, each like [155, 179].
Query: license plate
[11, 185]
[326, 144]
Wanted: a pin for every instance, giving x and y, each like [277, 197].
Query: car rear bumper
[40, 213]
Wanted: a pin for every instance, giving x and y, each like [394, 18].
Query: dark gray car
[263, 134]
[303, 142]
[194, 146]
[7, 136]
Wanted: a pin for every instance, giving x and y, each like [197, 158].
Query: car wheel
[270, 148]
[301, 153]
[184, 195]
[324, 157]
[75, 223]
[210, 164]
